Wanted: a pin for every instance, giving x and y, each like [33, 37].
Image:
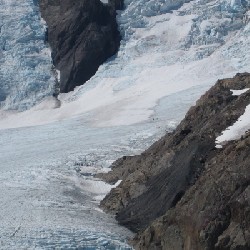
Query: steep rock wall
[214, 213]
[82, 34]
[173, 179]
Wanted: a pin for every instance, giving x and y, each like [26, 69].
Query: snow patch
[97, 187]
[239, 128]
[105, 1]
[58, 75]
[239, 92]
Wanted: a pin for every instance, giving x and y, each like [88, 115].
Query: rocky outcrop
[214, 213]
[82, 34]
[183, 193]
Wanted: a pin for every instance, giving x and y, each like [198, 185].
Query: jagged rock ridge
[82, 34]
[201, 192]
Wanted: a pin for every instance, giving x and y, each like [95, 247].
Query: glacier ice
[25, 61]
[183, 43]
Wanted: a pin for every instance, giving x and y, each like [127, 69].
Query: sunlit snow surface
[239, 92]
[170, 54]
[239, 128]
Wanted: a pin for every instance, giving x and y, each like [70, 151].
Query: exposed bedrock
[82, 34]
[214, 213]
[183, 193]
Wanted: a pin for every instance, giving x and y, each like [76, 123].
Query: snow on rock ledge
[238, 129]
[238, 92]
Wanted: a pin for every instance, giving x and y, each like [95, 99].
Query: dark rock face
[183, 193]
[83, 34]
[214, 213]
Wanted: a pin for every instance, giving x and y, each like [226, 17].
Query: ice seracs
[25, 60]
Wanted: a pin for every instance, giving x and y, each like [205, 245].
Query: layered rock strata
[82, 34]
[183, 192]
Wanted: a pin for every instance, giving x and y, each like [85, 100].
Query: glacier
[167, 47]
[171, 53]
[25, 60]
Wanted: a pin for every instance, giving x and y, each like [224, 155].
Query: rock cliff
[183, 192]
[82, 34]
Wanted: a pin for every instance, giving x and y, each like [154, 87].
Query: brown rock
[83, 34]
[191, 195]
